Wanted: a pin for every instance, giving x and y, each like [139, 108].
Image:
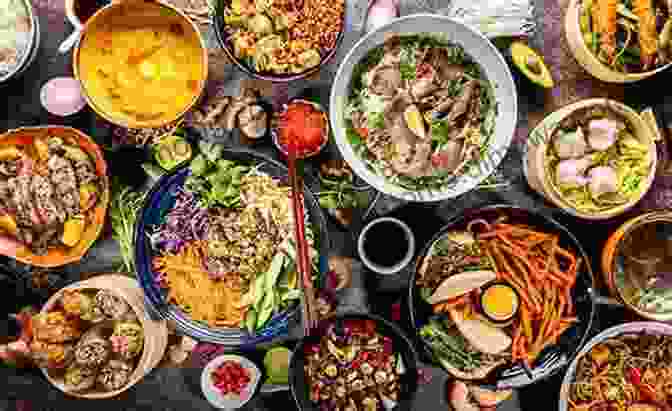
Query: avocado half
[531, 64]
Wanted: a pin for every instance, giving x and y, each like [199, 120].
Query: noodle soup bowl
[535, 164]
[479, 50]
[644, 327]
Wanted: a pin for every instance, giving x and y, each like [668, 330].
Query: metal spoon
[67, 44]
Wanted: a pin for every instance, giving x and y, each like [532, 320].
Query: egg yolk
[500, 301]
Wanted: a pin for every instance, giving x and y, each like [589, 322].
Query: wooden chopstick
[308, 306]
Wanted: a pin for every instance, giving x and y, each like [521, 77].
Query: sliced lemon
[415, 121]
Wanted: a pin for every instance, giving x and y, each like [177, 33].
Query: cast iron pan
[402, 345]
[552, 359]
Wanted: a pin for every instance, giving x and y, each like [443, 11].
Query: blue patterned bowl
[159, 201]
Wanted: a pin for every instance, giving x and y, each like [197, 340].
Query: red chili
[648, 393]
[635, 376]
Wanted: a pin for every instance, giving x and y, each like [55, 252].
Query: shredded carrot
[215, 302]
[530, 261]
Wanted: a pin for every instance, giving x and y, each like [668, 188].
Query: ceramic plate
[230, 401]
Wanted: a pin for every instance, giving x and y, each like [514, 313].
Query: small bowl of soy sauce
[386, 245]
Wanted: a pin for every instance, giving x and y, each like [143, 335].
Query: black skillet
[401, 344]
[553, 358]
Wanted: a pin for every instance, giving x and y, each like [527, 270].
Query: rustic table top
[170, 388]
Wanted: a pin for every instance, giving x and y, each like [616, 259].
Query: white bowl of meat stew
[423, 116]
[357, 362]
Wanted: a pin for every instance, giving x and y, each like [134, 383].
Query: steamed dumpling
[571, 172]
[602, 133]
[603, 180]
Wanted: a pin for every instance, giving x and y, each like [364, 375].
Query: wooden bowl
[118, 13]
[588, 60]
[58, 256]
[155, 332]
[644, 129]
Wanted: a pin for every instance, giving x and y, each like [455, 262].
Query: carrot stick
[557, 333]
[526, 321]
[520, 290]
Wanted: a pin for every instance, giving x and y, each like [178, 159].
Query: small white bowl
[410, 238]
[229, 401]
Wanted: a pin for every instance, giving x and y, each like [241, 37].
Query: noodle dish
[223, 251]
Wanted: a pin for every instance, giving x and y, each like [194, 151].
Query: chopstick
[307, 300]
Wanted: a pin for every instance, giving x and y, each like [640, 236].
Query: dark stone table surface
[177, 388]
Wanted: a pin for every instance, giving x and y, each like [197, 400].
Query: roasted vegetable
[8, 224]
[88, 194]
[9, 153]
[73, 230]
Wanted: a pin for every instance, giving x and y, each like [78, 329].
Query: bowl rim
[559, 229]
[396, 330]
[550, 125]
[380, 182]
[594, 66]
[210, 392]
[30, 51]
[219, 24]
[625, 229]
[176, 315]
[395, 269]
[102, 14]
[648, 327]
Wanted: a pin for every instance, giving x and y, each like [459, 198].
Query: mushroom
[603, 180]
[380, 377]
[93, 349]
[113, 306]
[237, 105]
[570, 145]
[115, 375]
[342, 268]
[253, 121]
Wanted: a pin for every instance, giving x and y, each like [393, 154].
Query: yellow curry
[142, 71]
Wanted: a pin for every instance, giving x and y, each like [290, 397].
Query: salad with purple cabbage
[244, 218]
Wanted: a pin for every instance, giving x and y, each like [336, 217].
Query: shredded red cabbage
[184, 223]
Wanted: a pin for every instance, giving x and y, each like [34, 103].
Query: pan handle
[604, 300]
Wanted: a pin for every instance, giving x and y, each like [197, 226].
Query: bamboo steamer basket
[155, 332]
[587, 59]
[609, 254]
[121, 9]
[644, 127]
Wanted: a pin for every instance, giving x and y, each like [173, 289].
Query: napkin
[495, 18]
